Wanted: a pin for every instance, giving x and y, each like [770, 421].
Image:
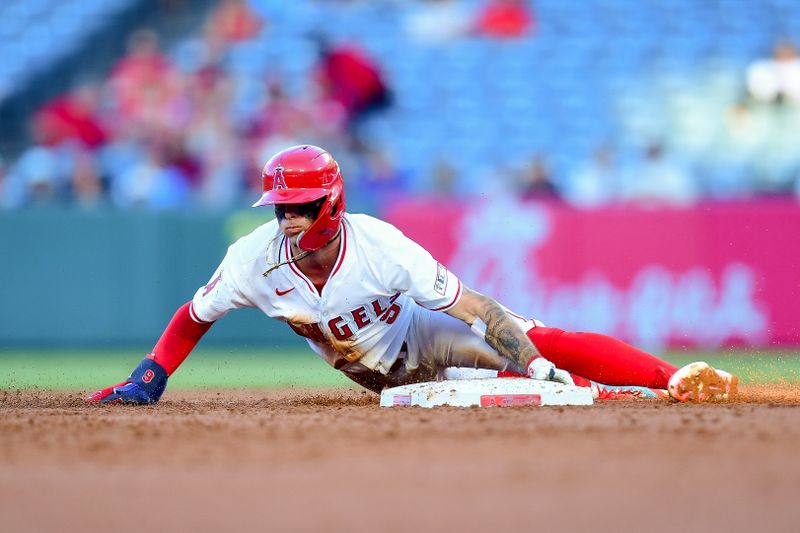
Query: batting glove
[541, 368]
[144, 386]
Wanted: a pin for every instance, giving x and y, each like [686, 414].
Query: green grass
[220, 368]
[60, 369]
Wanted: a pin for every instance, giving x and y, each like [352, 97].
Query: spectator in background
[145, 86]
[286, 121]
[86, 182]
[230, 22]
[125, 150]
[73, 116]
[728, 170]
[155, 181]
[42, 175]
[777, 79]
[659, 182]
[213, 159]
[438, 21]
[345, 74]
[535, 181]
[280, 113]
[35, 179]
[505, 19]
[378, 178]
[60, 166]
[595, 184]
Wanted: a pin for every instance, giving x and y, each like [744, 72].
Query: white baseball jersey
[363, 312]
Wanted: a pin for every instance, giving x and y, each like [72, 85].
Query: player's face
[296, 218]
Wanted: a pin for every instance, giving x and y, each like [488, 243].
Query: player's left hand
[101, 395]
[541, 368]
[144, 386]
[125, 392]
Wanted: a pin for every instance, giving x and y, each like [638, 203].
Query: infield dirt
[298, 460]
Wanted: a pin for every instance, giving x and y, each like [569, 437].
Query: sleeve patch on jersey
[440, 285]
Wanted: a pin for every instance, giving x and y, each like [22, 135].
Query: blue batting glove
[144, 386]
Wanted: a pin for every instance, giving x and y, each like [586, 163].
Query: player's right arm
[489, 319]
[500, 331]
[191, 321]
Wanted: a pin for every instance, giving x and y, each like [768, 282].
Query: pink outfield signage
[716, 275]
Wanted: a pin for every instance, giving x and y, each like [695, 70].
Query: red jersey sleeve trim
[454, 302]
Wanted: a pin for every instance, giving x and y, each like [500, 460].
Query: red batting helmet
[302, 174]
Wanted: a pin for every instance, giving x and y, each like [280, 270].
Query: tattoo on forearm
[507, 338]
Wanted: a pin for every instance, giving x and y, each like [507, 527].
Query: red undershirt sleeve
[181, 336]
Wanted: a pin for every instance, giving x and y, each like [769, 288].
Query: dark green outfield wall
[75, 278]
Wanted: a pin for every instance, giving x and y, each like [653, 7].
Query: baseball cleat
[700, 382]
[623, 392]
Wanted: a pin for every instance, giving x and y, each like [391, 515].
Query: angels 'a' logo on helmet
[278, 181]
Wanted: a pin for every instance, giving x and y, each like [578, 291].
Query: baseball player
[378, 307]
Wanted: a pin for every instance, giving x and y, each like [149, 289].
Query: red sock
[178, 340]
[580, 381]
[601, 358]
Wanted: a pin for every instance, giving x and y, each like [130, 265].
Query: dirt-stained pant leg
[376, 382]
[435, 341]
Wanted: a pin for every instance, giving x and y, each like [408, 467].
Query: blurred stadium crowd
[588, 102]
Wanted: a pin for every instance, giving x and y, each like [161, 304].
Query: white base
[501, 392]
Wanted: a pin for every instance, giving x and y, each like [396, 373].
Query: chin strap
[298, 257]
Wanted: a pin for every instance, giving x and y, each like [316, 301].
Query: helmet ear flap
[326, 225]
[336, 198]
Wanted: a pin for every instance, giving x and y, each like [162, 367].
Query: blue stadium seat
[632, 71]
[35, 34]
